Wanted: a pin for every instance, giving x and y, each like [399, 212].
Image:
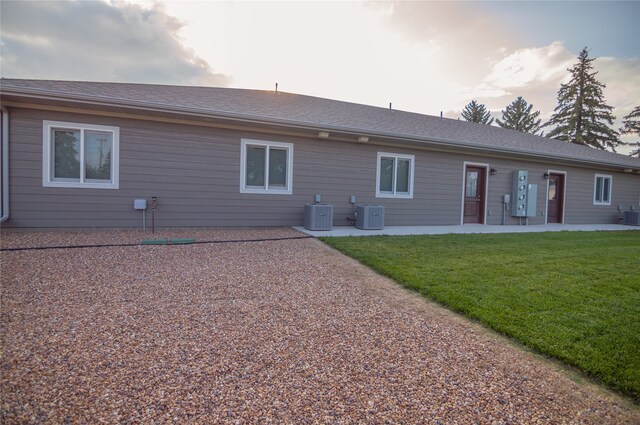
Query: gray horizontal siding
[194, 172]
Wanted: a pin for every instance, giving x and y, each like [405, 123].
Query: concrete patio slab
[467, 228]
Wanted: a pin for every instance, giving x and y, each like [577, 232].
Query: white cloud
[530, 66]
[463, 27]
[622, 79]
[534, 73]
[95, 40]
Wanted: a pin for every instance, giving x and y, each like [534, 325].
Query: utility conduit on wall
[5, 165]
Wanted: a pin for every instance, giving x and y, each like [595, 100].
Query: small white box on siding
[140, 204]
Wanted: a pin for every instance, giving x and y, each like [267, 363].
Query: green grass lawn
[574, 296]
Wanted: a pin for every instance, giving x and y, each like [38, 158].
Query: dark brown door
[555, 201]
[474, 195]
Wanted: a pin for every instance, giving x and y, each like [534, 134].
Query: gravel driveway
[284, 331]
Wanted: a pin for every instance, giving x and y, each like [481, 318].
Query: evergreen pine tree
[582, 116]
[631, 125]
[518, 116]
[477, 112]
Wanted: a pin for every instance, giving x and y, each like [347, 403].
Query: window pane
[97, 155]
[606, 182]
[386, 175]
[598, 189]
[552, 189]
[66, 158]
[277, 168]
[472, 184]
[402, 179]
[255, 166]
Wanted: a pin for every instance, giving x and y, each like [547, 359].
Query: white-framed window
[394, 175]
[602, 189]
[80, 155]
[266, 167]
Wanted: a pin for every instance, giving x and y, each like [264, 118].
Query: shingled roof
[288, 109]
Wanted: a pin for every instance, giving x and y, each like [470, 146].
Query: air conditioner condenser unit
[370, 217]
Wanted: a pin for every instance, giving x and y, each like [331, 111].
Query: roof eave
[269, 121]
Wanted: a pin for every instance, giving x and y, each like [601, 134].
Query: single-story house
[77, 154]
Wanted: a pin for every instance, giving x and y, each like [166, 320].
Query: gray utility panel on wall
[532, 199]
[524, 195]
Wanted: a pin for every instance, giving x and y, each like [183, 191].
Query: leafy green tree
[582, 116]
[631, 125]
[518, 116]
[67, 154]
[98, 158]
[477, 112]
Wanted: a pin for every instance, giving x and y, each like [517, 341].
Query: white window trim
[595, 182]
[395, 156]
[243, 167]
[564, 195]
[48, 126]
[486, 188]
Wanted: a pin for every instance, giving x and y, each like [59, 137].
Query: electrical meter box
[519, 192]
[532, 199]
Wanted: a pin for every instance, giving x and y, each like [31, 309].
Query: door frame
[564, 195]
[486, 188]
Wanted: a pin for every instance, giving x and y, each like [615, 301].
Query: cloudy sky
[424, 57]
